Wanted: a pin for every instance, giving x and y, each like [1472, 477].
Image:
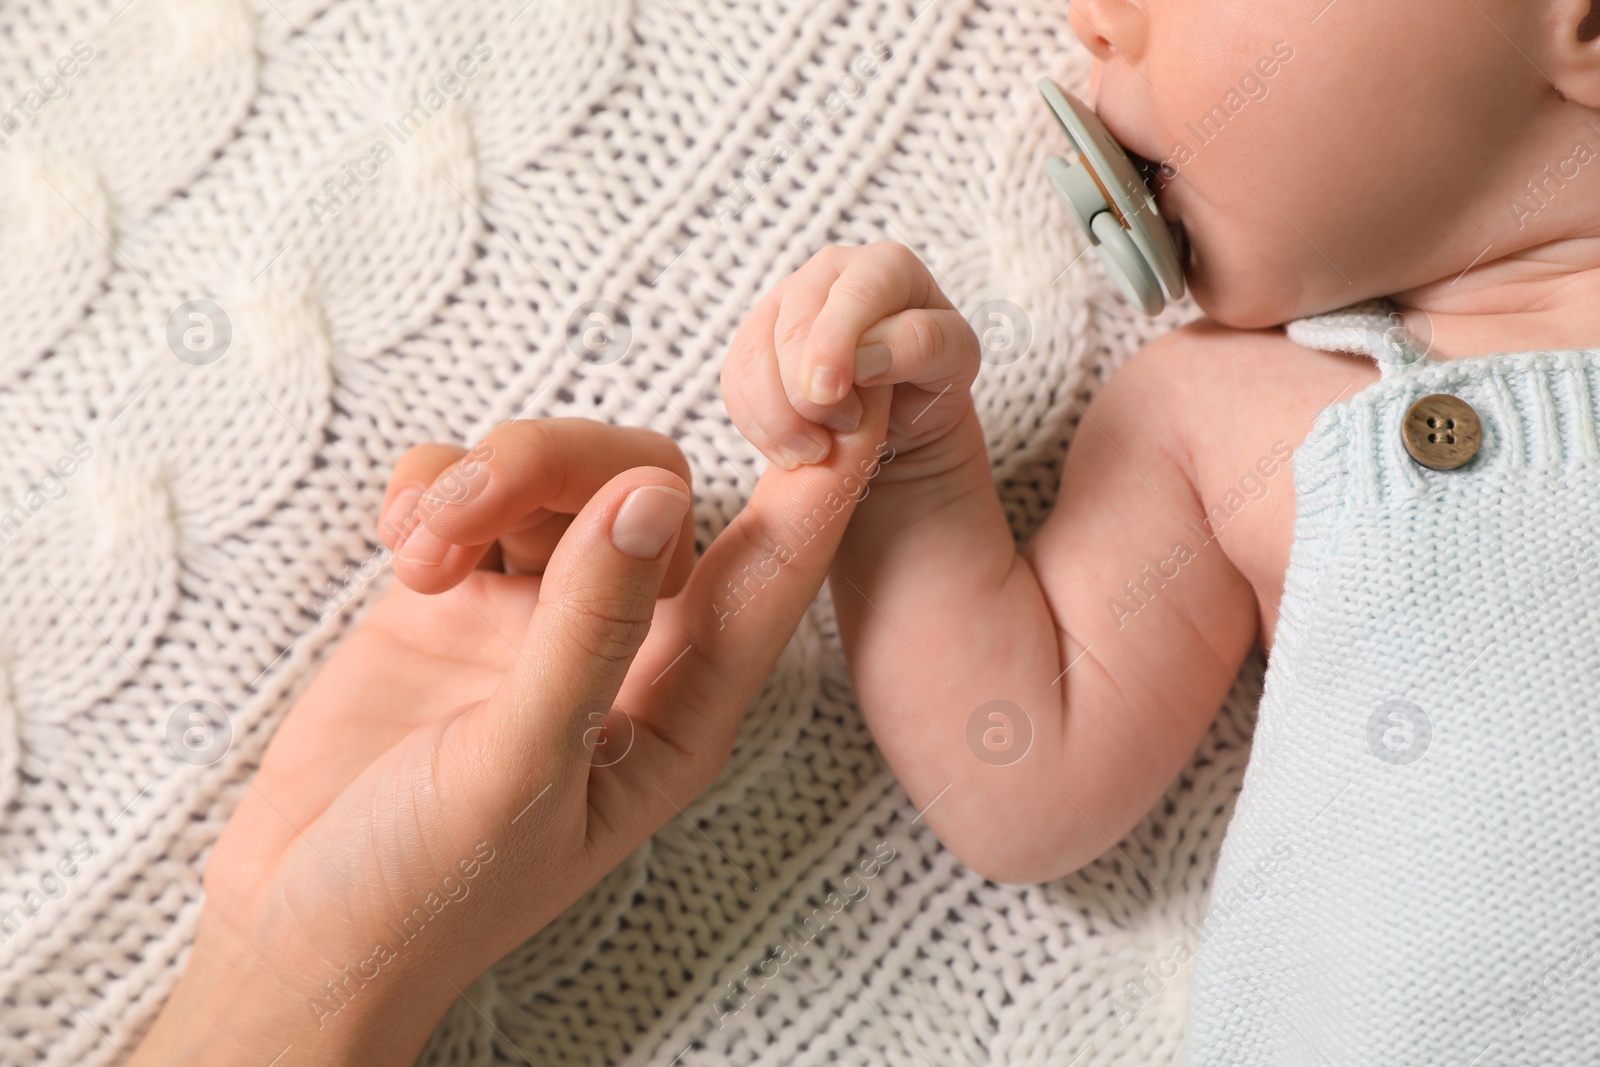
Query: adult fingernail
[872, 360]
[647, 520]
[825, 386]
[800, 450]
[848, 417]
[424, 547]
[398, 517]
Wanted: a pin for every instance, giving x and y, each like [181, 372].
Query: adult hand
[469, 763]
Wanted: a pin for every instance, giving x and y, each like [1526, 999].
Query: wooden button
[1442, 432]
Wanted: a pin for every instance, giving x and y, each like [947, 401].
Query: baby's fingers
[875, 282]
[754, 394]
[935, 350]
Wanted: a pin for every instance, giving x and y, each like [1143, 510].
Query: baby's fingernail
[398, 516]
[872, 360]
[800, 450]
[825, 386]
[647, 520]
[848, 417]
[424, 548]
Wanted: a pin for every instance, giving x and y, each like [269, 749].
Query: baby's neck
[1542, 299]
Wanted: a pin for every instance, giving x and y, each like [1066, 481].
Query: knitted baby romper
[1408, 878]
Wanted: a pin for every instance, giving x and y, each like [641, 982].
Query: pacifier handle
[1114, 206]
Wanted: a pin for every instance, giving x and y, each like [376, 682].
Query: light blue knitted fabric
[1409, 877]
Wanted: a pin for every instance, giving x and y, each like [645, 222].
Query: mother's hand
[469, 763]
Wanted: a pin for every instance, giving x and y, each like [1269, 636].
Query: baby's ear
[1574, 50]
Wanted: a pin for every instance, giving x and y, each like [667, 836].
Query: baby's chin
[1247, 299]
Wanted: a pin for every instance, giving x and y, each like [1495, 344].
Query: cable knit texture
[179, 524]
[1408, 878]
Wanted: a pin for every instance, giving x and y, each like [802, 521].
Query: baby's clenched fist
[870, 316]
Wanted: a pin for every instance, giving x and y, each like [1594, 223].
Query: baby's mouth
[1180, 239]
[1148, 169]
[1150, 173]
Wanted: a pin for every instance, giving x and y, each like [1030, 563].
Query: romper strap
[1370, 328]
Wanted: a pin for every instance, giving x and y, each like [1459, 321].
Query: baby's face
[1319, 153]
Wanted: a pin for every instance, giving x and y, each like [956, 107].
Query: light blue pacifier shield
[1114, 206]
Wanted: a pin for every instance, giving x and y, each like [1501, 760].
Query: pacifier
[1114, 206]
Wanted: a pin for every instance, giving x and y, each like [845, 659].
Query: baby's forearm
[941, 618]
[1012, 696]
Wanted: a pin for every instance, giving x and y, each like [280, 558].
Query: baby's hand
[867, 316]
[506, 503]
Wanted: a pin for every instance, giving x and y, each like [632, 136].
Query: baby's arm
[940, 614]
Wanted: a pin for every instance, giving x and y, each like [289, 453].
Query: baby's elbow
[1007, 870]
[1034, 862]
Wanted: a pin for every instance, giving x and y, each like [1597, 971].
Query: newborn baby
[1395, 499]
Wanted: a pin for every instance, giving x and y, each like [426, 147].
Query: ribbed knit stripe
[1537, 410]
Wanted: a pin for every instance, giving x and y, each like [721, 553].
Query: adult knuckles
[606, 622]
[527, 436]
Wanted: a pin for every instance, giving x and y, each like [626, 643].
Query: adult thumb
[542, 724]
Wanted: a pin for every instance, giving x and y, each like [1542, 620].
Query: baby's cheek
[1240, 276]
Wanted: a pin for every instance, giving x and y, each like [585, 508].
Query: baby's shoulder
[1232, 406]
[1220, 360]
[1223, 390]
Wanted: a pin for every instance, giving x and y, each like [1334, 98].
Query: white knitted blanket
[404, 216]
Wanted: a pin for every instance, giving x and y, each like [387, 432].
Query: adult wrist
[235, 1004]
